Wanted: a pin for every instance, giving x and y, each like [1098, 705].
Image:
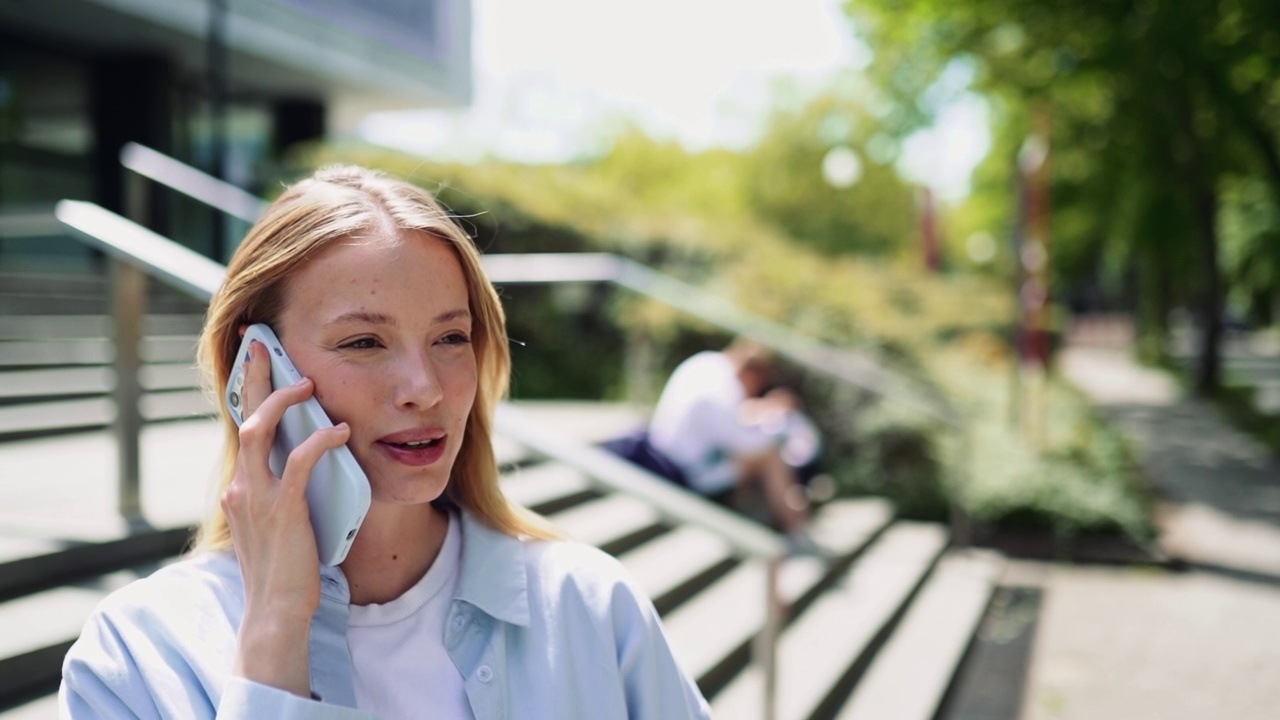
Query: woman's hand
[272, 534]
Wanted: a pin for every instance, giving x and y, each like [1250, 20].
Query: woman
[452, 603]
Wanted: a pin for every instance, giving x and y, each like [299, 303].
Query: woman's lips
[416, 455]
[416, 446]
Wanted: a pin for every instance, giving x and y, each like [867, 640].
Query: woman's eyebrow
[362, 316]
[375, 318]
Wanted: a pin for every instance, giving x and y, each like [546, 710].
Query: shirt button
[459, 622]
[484, 674]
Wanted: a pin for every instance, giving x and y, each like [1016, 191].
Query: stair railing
[189, 181]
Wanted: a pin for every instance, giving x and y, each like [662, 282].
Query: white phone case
[338, 491]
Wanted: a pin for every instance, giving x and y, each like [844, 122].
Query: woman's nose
[418, 384]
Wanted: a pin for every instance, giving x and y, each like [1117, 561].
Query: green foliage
[786, 186]
[576, 342]
[1161, 114]
[1084, 480]
[897, 454]
[1250, 228]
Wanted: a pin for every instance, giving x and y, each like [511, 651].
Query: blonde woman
[452, 602]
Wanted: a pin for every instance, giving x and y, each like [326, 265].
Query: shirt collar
[493, 575]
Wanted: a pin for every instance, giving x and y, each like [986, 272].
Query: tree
[1157, 107]
[785, 183]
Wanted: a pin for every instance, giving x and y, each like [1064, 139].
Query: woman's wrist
[275, 652]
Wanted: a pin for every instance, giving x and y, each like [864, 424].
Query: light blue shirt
[538, 630]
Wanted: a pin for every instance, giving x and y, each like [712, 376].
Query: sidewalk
[1141, 643]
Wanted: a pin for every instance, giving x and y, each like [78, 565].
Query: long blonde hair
[333, 204]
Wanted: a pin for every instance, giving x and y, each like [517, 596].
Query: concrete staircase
[878, 631]
[56, 349]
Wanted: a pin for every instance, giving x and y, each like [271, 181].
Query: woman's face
[383, 328]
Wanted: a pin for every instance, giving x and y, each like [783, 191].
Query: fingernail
[301, 382]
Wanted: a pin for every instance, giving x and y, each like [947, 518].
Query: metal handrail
[191, 182]
[179, 267]
[849, 366]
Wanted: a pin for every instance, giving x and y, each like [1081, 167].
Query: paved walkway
[1139, 643]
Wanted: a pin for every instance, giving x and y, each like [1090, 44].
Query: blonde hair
[333, 204]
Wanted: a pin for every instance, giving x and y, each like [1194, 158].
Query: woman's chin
[410, 493]
[406, 496]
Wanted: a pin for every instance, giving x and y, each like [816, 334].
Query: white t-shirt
[401, 669]
[698, 425]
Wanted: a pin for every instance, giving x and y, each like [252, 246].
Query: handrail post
[640, 367]
[129, 295]
[128, 308]
[766, 647]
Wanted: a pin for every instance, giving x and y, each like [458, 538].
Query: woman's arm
[151, 652]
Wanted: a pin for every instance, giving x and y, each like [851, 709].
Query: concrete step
[47, 303]
[20, 420]
[614, 523]
[63, 327]
[677, 565]
[92, 380]
[92, 351]
[86, 380]
[911, 674]
[547, 487]
[81, 293]
[41, 708]
[40, 627]
[824, 649]
[711, 633]
[32, 565]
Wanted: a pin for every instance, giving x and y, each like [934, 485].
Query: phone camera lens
[235, 400]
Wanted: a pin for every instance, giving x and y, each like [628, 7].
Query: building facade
[225, 85]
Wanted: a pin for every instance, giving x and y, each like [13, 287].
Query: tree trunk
[1209, 360]
[1202, 187]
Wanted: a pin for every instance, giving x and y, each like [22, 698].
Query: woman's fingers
[266, 408]
[303, 459]
[257, 378]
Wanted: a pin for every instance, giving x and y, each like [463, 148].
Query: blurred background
[1048, 235]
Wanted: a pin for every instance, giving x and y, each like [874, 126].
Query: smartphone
[338, 491]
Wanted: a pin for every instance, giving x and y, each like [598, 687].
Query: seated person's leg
[779, 485]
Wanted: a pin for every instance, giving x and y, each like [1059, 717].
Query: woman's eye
[361, 344]
[456, 338]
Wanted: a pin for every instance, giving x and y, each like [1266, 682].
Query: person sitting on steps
[719, 422]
